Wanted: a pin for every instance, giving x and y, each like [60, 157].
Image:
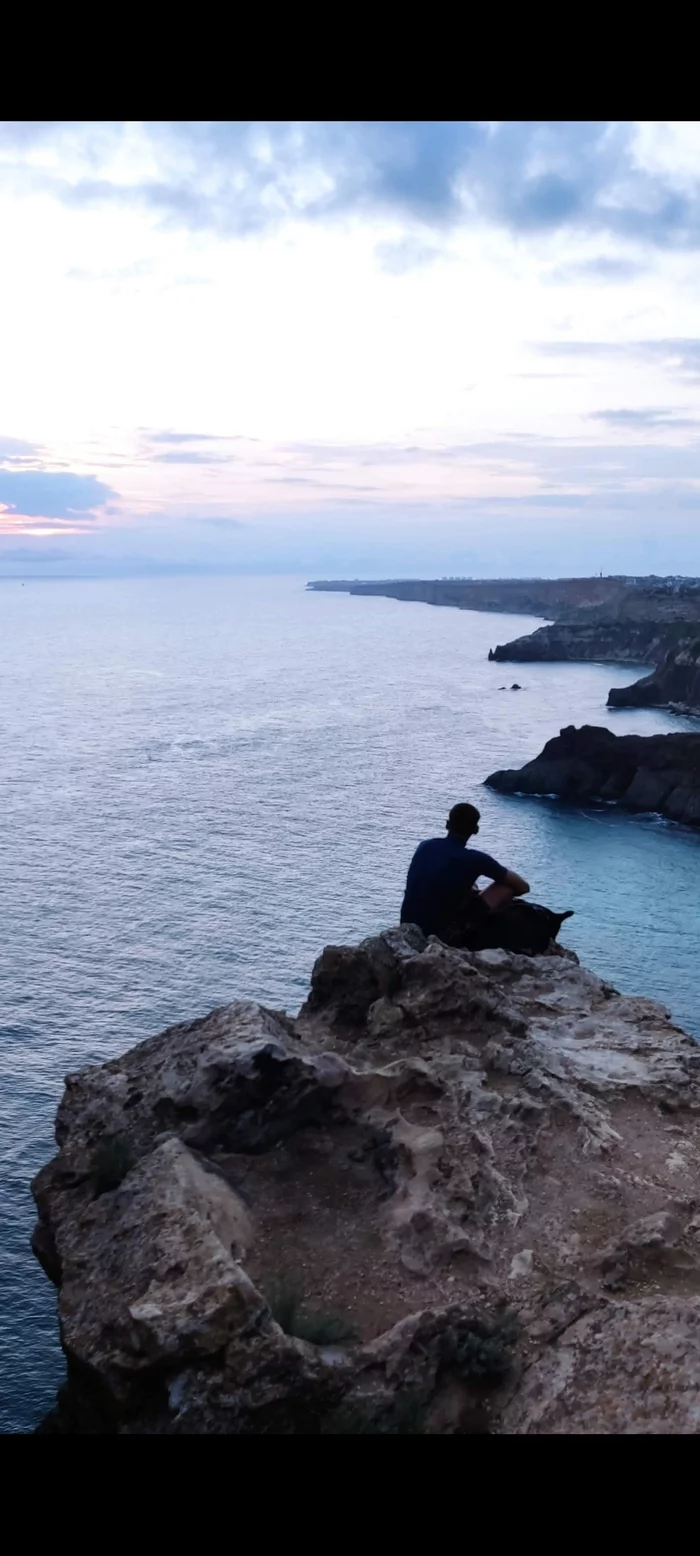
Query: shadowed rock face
[639, 626]
[675, 684]
[595, 641]
[640, 772]
[484, 1164]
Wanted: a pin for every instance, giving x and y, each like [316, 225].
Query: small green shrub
[112, 1159]
[284, 1302]
[484, 1349]
[286, 1306]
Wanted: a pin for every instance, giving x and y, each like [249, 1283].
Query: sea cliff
[521, 596]
[644, 621]
[674, 684]
[658, 773]
[640, 626]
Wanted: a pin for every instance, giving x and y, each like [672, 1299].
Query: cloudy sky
[350, 348]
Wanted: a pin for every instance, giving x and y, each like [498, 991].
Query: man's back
[441, 871]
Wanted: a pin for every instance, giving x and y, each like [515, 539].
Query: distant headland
[619, 619]
[521, 596]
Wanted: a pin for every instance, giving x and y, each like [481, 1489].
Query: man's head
[463, 821]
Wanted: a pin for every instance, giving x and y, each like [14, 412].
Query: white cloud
[326, 361]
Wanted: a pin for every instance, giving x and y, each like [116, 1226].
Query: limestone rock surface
[458, 1192]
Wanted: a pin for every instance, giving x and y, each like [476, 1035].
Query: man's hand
[517, 884]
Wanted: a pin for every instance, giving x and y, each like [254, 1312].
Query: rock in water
[457, 1193]
[640, 772]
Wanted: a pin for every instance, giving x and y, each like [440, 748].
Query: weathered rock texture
[675, 684]
[640, 772]
[440, 1140]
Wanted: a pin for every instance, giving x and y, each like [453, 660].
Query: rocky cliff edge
[649, 773]
[457, 1194]
[675, 684]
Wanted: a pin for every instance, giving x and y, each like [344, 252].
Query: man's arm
[517, 883]
[499, 875]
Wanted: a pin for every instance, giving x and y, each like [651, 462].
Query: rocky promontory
[639, 626]
[640, 772]
[589, 638]
[457, 1193]
[521, 596]
[675, 684]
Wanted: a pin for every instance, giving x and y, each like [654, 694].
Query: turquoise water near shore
[206, 780]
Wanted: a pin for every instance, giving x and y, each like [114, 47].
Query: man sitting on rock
[441, 896]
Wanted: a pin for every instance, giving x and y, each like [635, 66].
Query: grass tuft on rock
[286, 1304]
[483, 1351]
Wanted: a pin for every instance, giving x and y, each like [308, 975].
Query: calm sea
[204, 781]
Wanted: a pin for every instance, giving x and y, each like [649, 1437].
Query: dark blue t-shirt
[441, 871]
